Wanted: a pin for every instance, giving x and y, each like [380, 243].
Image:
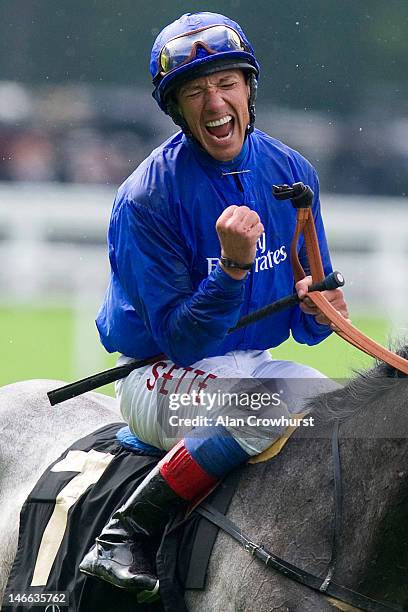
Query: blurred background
[76, 117]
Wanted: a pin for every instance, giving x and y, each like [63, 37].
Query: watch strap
[230, 263]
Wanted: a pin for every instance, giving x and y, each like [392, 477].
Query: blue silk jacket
[167, 293]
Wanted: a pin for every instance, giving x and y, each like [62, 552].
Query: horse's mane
[362, 390]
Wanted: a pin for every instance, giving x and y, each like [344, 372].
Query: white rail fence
[52, 251]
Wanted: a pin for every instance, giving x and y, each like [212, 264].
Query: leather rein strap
[302, 200]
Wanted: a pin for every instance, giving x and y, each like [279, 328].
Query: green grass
[38, 343]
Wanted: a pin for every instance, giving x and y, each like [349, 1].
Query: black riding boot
[121, 554]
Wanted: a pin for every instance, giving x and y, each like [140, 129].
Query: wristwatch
[230, 263]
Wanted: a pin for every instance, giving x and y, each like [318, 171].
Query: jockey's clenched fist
[239, 229]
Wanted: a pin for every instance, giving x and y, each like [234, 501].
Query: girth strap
[301, 198]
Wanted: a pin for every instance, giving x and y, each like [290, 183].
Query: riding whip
[56, 396]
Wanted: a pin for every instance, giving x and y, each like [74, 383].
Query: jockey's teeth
[218, 122]
[221, 127]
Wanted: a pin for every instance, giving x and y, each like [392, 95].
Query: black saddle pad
[69, 507]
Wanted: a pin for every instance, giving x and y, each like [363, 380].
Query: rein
[325, 586]
[301, 197]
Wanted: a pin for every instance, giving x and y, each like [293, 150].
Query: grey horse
[286, 503]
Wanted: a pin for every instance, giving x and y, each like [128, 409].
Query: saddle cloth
[68, 508]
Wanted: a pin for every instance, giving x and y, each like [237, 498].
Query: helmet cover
[204, 63]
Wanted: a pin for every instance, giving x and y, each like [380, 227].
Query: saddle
[68, 508]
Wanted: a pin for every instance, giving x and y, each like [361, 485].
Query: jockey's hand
[334, 296]
[238, 229]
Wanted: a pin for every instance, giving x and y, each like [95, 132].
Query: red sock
[183, 474]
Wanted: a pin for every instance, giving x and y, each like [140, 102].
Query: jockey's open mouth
[221, 128]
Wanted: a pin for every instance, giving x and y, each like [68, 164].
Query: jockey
[196, 240]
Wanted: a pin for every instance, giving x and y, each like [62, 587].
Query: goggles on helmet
[183, 49]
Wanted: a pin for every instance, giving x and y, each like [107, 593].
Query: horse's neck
[288, 502]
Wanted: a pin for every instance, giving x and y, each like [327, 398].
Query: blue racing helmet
[195, 45]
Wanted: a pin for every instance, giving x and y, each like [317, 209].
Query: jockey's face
[215, 108]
